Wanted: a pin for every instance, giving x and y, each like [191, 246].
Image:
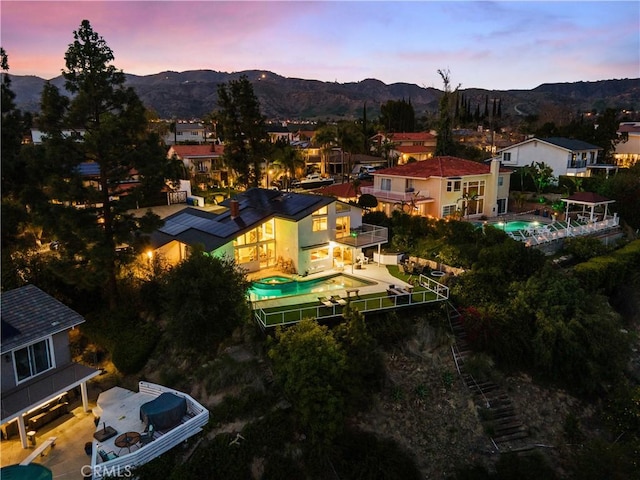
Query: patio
[67, 459]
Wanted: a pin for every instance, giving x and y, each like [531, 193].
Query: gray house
[37, 371]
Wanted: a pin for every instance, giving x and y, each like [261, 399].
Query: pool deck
[378, 275]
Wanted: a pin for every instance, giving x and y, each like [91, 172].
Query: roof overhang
[44, 388]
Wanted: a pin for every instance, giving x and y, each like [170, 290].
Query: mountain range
[193, 94]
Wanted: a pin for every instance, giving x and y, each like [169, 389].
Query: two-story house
[566, 156]
[441, 187]
[187, 132]
[203, 162]
[627, 152]
[403, 146]
[37, 370]
[266, 228]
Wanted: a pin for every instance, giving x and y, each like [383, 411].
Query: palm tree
[351, 140]
[289, 160]
[325, 137]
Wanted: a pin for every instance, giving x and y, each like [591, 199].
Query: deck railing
[122, 466]
[558, 230]
[394, 196]
[365, 235]
[434, 292]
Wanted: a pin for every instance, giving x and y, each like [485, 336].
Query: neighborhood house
[300, 233]
[441, 187]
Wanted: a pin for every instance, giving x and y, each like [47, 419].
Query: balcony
[394, 196]
[365, 236]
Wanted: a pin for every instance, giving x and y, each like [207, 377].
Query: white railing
[394, 196]
[365, 235]
[556, 231]
[199, 416]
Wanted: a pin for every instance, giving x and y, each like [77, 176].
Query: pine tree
[114, 123]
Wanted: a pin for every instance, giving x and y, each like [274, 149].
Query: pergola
[588, 200]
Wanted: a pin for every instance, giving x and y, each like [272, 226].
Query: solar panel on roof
[173, 228]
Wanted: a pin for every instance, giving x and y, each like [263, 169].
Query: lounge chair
[326, 302]
[338, 299]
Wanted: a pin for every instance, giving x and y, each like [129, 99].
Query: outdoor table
[127, 440]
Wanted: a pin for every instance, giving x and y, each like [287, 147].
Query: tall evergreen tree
[113, 121]
[486, 106]
[444, 141]
[244, 131]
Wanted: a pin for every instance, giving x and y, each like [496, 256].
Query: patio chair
[326, 302]
[106, 456]
[338, 299]
[147, 435]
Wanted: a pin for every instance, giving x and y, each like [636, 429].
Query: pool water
[278, 287]
[515, 225]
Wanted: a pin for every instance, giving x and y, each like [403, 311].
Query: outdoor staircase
[497, 413]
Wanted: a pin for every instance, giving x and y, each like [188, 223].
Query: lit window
[319, 254]
[321, 211]
[33, 360]
[319, 224]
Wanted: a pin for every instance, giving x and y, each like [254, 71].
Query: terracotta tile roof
[341, 190]
[438, 167]
[588, 197]
[411, 136]
[197, 150]
[414, 148]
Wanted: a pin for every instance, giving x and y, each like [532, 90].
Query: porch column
[85, 397]
[22, 430]
[378, 254]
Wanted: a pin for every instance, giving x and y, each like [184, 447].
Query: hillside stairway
[499, 418]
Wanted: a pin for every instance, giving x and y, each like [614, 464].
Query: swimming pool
[516, 225]
[280, 286]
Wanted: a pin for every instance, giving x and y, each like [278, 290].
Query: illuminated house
[441, 187]
[37, 371]
[299, 233]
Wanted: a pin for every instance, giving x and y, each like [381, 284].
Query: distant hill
[192, 94]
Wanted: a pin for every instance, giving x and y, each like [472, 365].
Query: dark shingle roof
[570, 143]
[257, 205]
[32, 314]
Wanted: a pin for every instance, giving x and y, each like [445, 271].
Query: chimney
[235, 209]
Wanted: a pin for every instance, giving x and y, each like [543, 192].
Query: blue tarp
[164, 412]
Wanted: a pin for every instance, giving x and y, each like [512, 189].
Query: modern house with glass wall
[293, 232]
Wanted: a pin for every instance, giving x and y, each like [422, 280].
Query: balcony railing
[394, 196]
[364, 236]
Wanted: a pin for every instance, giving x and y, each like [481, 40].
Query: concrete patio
[67, 458]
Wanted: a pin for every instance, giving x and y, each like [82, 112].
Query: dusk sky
[492, 45]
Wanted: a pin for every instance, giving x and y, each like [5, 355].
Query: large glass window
[33, 360]
[319, 254]
[342, 226]
[319, 224]
[385, 184]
